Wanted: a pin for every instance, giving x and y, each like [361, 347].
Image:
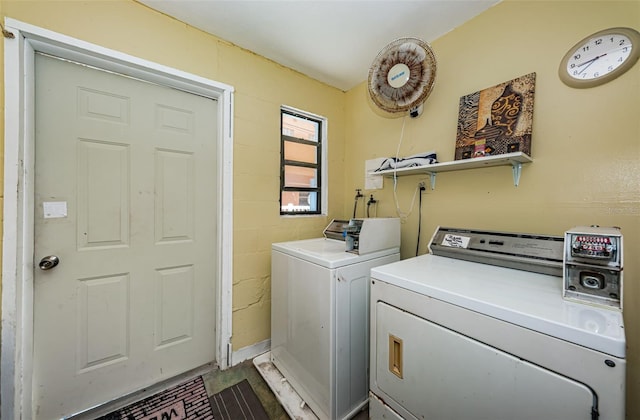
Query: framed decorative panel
[496, 120]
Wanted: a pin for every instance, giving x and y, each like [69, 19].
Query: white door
[125, 198]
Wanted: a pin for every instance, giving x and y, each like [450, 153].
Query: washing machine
[478, 329]
[320, 312]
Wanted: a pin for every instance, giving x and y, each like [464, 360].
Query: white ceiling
[333, 41]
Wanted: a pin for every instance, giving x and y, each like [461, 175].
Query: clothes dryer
[454, 338]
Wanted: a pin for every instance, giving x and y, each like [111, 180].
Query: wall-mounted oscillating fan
[402, 75]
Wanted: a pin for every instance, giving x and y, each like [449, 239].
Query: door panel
[102, 320]
[174, 196]
[103, 194]
[125, 196]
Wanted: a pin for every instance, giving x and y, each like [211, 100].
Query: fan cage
[418, 56]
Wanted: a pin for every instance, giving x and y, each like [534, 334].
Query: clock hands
[589, 63]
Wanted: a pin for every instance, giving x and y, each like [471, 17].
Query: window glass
[300, 152]
[301, 128]
[298, 202]
[299, 176]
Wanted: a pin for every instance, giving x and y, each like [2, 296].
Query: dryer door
[436, 373]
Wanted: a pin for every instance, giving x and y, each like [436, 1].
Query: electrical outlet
[422, 185]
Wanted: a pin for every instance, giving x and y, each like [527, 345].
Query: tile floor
[216, 381]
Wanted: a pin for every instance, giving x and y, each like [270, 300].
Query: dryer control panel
[523, 251]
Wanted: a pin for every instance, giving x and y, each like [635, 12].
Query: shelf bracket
[432, 175]
[516, 168]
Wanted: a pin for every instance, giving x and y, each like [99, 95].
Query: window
[301, 166]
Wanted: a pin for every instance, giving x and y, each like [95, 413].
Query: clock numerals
[597, 58]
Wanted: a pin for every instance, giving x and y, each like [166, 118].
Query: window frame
[320, 165]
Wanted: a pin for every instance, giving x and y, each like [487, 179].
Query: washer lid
[329, 253]
[523, 298]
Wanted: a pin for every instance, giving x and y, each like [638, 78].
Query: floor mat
[187, 401]
[237, 402]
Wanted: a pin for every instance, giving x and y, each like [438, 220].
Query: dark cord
[419, 219]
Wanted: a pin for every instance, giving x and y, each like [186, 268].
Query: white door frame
[16, 350]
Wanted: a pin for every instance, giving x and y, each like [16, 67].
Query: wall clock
[600, 57]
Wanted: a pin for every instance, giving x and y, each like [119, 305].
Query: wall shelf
[515, 160]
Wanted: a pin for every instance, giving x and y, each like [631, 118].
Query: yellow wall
[261, 87]
[1, 137]
[585, 147]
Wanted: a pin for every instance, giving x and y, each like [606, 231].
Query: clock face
[600, 57]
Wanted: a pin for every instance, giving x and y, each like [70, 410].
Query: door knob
[48, 262]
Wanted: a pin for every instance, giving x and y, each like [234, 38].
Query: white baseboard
[250, 352]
